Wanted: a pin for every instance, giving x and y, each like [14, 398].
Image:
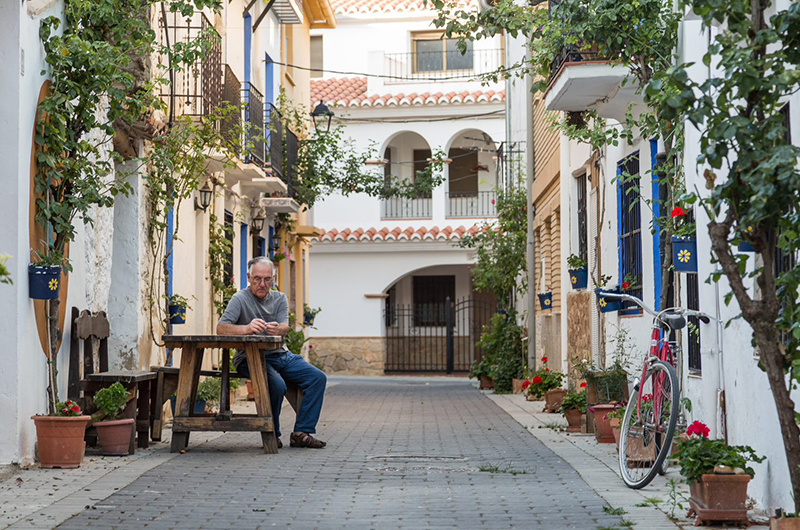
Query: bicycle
[652, 413]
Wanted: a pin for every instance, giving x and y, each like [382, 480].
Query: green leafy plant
[68, 408]
[210, 389]
[699, 455]
[618, 413]
[111, 400]
[178, 300]
[480, 368]
[295, 338]
[603, 280]
[544, 379]
[576, 262]
[5, 274]
[501, 342]
[574, 401]
[310, 313]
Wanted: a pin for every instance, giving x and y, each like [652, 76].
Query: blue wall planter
[308, 321]
[546, 301]
[744, 246]
[177, 314]
[199, 405]
[578, 278]
[606, 305]
[44, 282]
[684, 254]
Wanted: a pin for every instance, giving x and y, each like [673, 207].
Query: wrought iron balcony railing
[440, 64]
[254, 114]
[292, 146]
[472, 204]
[403, 208]
[230, 124]
[573, 54]
[274, 135]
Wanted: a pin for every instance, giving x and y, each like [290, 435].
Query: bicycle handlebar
[704, 318]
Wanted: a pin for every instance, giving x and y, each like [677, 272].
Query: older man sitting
[258, 310]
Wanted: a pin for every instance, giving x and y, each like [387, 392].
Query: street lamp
[322, 111]
[258, 221]
[206, 194]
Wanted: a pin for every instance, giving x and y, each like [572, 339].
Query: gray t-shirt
[245, 306]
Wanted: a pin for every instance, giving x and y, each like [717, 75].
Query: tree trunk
[52, 366]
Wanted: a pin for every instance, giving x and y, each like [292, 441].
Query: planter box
[487, 383]
[603, 433]
[720, 498]
[177, 314]
[115, 436]
[59, 440]
[516, 386]
[553, 398]
[784, 523]
[546, 301]
[684, 254]
[607, 305]
[615, 428]
[573, 420]
[744, 246]
[43, 282]
[579, 278]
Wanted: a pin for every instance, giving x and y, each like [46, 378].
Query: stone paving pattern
[401, 454]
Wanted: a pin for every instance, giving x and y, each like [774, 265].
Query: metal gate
[435, 337]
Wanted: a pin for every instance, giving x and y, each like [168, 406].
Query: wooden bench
[166, 384]
[86, 328]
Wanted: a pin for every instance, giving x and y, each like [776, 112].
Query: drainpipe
[529, 174]
[508, 143]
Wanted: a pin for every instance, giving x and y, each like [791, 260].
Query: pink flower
[698, 428]
[492, 201]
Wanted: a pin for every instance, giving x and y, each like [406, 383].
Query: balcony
[274, 135]
[288, 11]
[471, 204]
[440, 64]
[403, 208]
[254, 116]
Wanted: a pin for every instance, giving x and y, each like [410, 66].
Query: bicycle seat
[674, 321]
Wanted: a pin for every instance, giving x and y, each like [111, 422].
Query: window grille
[693, 302]
[228, 268]
[583, 249]
[630, 228]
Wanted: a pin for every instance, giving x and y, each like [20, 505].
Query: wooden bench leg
[191, 359]
[143, 415]
[258, 375]
[130, 412]
[157, 407]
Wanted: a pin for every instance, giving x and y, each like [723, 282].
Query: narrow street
[401, 454]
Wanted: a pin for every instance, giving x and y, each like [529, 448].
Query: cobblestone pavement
[401, 454]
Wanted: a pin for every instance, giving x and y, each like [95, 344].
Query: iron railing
[403, 208]
[231, 123]
[274, 135]
[254, 117]
[292, 145]
[195, 90]
[472, 204]
[410, 67]
[630, 228]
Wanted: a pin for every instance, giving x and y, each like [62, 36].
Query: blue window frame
[629, 228]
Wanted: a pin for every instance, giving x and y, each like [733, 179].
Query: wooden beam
[211, 424]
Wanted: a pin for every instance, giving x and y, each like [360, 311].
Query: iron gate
[435, 337]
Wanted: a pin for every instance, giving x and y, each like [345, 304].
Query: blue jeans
[293, 368]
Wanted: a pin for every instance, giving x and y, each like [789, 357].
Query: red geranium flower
[544, 359]
[625, 285]
[647, 397]
[547, 369]
[492, 201]
[537, 380]
[698, 428]
[583, 385]
[525, 385]
[677, 212]
[75, 408]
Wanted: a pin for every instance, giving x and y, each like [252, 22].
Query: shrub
[112, 400]
[501, 342]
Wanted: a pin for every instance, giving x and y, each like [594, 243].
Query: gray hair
[260, 259]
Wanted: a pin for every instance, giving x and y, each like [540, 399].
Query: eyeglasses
[256, 280]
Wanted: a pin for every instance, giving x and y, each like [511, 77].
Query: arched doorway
[472, 180]
[405, 154]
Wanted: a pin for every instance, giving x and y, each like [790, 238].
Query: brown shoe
[303, 439]
[280, 444]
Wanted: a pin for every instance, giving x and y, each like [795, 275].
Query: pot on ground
[250, 395]
[553, 398]
[784, 523]
[720, 498]
[573, 420]
[516, 386]
[487, 383]
[602, 431]
[60, 440]
[115, 436]
[615, 429]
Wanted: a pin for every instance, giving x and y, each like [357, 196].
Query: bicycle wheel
[647, 429]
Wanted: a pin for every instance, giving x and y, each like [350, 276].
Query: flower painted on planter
[548, 302]
[537, 380]
[603, 302]
[583, 385]
[525, 385]
[698, 428]
[677, 212]
[544, 359]
[53, 285]
[574, 280]
[684, 256]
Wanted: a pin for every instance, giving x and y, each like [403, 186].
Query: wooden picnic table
[185, 421]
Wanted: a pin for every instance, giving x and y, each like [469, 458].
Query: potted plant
[546, 300]
[177, 309]
[546, 384]
[578, 272]
[44, 276]
[59, 436]
[717, 474]
[483, 371]
[606, 305]
[573, 406]
[684, 241]
[615, 421]
[784, 521]
[309, 313]
[114, 435]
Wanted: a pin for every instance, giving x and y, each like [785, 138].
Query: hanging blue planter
[579, 278]
[199, 405]
[607, 305]
[684, 254]
[177, 314]
[546, 301]
[44, 282]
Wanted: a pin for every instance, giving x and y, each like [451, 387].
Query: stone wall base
[348, 355]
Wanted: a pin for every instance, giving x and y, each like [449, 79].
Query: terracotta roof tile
[348, 7]
[352, 92]
[433, 233]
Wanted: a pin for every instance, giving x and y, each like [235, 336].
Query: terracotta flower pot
[784, 523]
[573, 420]
[60, 440]
[115, 436]
[602, 432]
[553, 398]
[720, 497]
[615, 428]
[639, 454]
[486, 383]
[516, 386]
[250, 395]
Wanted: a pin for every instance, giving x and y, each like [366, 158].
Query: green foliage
[219, 249]
[112, 400]
[544, 379]
[501, 247]
[310, 313]
[210, 389]
[295, 338]
[501, 343]
[5, 274]
[481, 368]
[178, 300]
[68, 408]
[574, 400]
[576, 262]
[699, 455]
